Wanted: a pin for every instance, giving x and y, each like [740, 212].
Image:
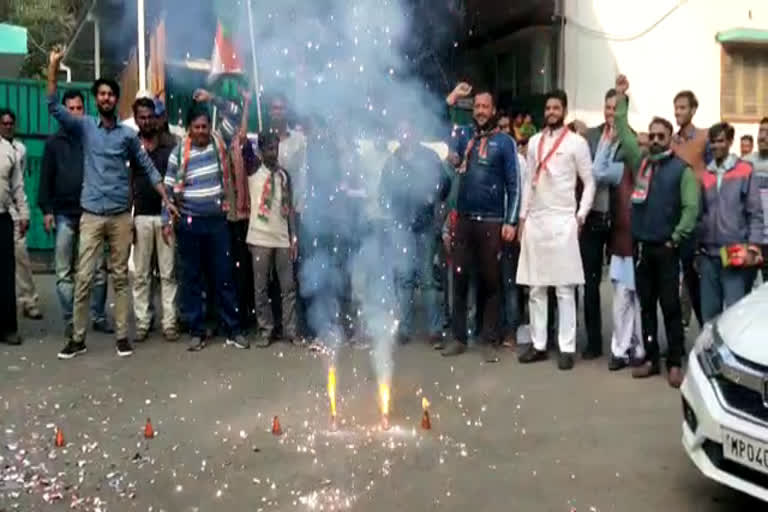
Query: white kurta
[549, 253]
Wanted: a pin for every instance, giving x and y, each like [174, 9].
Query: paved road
[505, 437]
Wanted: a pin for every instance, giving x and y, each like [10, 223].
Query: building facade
[719, 50]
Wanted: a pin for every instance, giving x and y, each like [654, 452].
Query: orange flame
[384, 397]
[332, 390]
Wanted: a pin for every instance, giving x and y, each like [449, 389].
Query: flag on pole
[225, 59]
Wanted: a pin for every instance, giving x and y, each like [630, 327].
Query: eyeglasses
[656, 136]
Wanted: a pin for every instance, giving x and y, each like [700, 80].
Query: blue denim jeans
[204, 248]
[414, 258]
[65, 263]
[510, 297]
[720, 287]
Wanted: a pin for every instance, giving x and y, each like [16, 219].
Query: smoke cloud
[347, 68]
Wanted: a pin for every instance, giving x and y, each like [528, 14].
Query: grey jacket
[602, 201]
[731, 212]
[12, 197]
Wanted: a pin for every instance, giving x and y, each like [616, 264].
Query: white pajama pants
[566, 317]
[627, 338]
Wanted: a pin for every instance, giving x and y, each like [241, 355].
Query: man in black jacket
[61, 182]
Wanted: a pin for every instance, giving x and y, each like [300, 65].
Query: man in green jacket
[665, 206]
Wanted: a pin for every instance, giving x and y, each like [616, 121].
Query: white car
[725, 397]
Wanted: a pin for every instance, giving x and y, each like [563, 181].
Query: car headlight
[707, 340]
[709, 349]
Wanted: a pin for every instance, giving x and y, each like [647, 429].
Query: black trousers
[593, 241]
[242, 272]
[657, 274]
[8, 322]
[477, 245]
[691, 277]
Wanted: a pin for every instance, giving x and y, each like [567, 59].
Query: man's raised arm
[632, 154]
[68, 121]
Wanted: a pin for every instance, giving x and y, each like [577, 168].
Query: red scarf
[544, 161]
[242, 197]
[482, 151]
[220, 149]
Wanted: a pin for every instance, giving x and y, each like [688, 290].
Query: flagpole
[256, 83]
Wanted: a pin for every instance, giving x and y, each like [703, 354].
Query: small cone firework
[59, 441]
[276, 430]
[149, 432]
[426, 424]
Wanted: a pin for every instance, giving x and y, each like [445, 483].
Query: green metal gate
[27, 99]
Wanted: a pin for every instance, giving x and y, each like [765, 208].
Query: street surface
[504, 437]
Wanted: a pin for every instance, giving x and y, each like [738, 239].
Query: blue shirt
[490, 188]
[106, 175]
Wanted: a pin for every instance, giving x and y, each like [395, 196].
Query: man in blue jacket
[488, 205]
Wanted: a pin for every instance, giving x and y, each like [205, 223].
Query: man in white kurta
[549, 253]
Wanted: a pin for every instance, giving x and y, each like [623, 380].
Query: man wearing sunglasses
[665, 206]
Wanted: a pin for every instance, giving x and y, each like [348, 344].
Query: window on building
[744, 83]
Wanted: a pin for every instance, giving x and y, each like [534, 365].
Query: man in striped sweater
[199, 176]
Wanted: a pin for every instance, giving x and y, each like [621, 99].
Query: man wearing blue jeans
[61, 182]
[730, 228]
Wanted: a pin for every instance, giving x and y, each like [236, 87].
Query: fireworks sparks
[332, 395]
[384, 402]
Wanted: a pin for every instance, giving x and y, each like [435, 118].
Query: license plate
[745, 451]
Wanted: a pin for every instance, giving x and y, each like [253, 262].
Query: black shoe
[72, 349]
[590, 354]
[124, 348]
[437, 341]
[645, 370]
[617, 363]
[33, 312]
[565, 361]
[196, 344]
[531, 355]
[454, 349]
[11, 339]
[491, 353]
[103, 326]
[403, 339]
[141, 336]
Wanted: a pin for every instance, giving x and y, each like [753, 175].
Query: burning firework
[384, 397]
[332, 394]
[426, 423]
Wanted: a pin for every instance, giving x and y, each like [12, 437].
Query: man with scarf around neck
[730, 228]
[665, 205]
[232, 120]
[488, 204]
[272, 239]
[759, 163]
[550, 224]
[199, 176]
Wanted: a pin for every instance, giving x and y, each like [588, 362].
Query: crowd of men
[227, 226]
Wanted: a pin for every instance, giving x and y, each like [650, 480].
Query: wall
[660, 56]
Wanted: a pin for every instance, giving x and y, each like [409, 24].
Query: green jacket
[633, 157]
